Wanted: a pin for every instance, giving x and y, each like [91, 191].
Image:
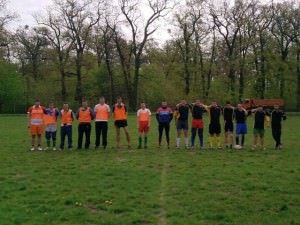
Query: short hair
[228, 102]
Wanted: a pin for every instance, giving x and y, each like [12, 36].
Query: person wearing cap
[67, 118]
[85, 115]
[102, 114]
[35, 115]
[50, 121]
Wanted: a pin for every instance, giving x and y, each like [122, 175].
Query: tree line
[81, 49]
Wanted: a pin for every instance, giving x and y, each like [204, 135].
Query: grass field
[139, 187]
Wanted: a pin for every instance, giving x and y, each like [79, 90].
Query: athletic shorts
[228, 127]
[143, 126]
[121, 123]
[260, 132]
[182, 125]
[241, 128]
[197, 123]
[36, 129]
[51, 128]
[214, 128]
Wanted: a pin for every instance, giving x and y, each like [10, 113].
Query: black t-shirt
[259, 120]
[183, 112]
[228, 114]
[197, 111]
[277, 117]
[215, 113]
[240, 116]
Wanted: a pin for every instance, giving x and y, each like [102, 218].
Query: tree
[131, 52]
[52, 29]
[79, 18]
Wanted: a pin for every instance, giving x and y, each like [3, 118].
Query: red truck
[266, 103]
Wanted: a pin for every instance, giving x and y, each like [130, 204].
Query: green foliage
[11, 87]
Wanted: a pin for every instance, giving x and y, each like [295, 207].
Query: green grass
[148, 187]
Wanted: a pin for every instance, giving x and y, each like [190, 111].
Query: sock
[186, 140]
[237, 141]
[218, 139]
[145, 141]
[48, 143]
[140, 142]
[54, 143]
[177, 142]
[210, 141]
[243, 139]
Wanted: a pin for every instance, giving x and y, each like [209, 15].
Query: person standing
[35, 115]
[228, 114]
[102, 114]
[164, 116]
[67, 118]
[277, 116]
[120, 117]
[85, 115]
[197, 123]
[240, 115]
[181, 118]
[260, 116]
[215, 112]
[143, 124]
[50, 120]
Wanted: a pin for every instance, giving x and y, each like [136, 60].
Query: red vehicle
[266, 103]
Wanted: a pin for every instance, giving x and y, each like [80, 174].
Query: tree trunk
[62, 79]
[78, 90]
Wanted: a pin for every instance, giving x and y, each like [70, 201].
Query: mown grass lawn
[156, 186]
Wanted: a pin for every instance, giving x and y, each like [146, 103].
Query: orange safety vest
[50, 119]
[102, 112]
[144, 115]
[120, 112]
[85, 115]
[66, 117]
[36, 115]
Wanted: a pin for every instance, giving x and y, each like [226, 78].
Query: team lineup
[41, 118]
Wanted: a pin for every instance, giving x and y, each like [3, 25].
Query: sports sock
[177, 142]
[210, 141]
[218, 138]
[237, 141]
[140, 142]
[243, 139]
[145, 141]
[186, 140]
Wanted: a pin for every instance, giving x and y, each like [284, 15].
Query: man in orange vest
[35, 123]
[102, 114]
[50, 120]
[120, 116]
[67, 118]
[85, 115]
[143, 124]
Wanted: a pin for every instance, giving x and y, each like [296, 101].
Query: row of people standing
[39, 115]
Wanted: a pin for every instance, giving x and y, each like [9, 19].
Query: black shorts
[228, 127]
[214, 128]
[121, 123]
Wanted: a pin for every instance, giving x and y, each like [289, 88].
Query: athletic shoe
[54, 148]
[280, 147]
[45, 149]
[40, 148]
[32, 148]
[177, 147]
[220, 147]
[253, 147]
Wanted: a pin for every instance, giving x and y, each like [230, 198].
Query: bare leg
[118, 137]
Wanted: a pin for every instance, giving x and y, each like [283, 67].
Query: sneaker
[45, 149]
[54, 149]
[177, 147]
[253, 147]
[32, 148]
[220, 147]
[40, 148]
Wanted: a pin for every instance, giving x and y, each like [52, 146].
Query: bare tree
[79, 18]
[52, 29]
[131, 55]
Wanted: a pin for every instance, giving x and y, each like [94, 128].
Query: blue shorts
[241, 128]
[182, 125]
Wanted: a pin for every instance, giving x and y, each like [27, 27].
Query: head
[119, 100]
[51, 105]
[239, 106]
[37, 103]
[214, 104]
[164, 104]
[260, 108]
[183, 101]
[276, 107]
[66, 106]
[143, 105]
[84, 104]
[228, 104]
[101, 100]
[198, 102]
